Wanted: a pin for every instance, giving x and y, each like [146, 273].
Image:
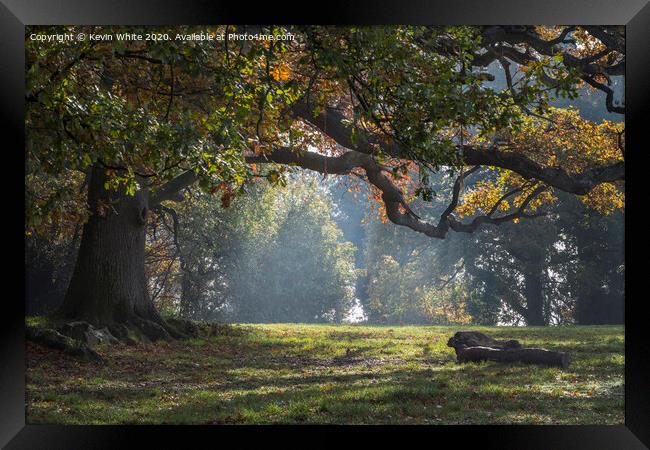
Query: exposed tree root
[137, 329]
[124, 334]
[149, 329]
[86, 333]
[52, 338]
[185, 326]
[78, 338]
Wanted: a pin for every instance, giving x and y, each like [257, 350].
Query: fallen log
[475, 346]
[476, 339]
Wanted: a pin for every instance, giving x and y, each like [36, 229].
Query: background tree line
[311, 251]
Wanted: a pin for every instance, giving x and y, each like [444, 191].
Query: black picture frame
[635, 14]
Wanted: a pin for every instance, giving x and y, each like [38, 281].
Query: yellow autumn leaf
[281, 72]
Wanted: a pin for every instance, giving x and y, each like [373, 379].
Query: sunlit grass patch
[296, 373]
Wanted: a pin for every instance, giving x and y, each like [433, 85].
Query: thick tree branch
[477, 221]
[396, 206]
[458, 186]
[500, 39]
[576, 183]
[171, 189]
[330, 122]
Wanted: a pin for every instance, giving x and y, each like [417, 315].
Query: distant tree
[512, 264]
[274, 255]
[567, 267]
[411, 279]
[595, 271]
[305, 272]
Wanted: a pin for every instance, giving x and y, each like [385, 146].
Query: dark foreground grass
[291, 373]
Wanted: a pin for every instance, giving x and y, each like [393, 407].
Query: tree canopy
[389, 105]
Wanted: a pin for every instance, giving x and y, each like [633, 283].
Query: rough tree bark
[109, 286]
[534, 296]
[475, 346]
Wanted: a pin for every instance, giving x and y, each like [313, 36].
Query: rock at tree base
[54, 339]
[86, 333]
[475, 346]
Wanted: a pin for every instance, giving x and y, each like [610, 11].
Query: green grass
[293, 373]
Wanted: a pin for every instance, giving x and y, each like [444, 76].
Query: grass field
[292, 373]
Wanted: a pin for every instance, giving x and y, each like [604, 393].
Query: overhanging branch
[330, 122]
[589, 66]
[397, 208]
[171, 189]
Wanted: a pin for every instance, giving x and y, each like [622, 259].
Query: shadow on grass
[471, 394]
[396, 397]
[257, 376]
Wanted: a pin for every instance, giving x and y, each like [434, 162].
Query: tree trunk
[108, 285]
[599, 295]
[189, 295]
[534, 297]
